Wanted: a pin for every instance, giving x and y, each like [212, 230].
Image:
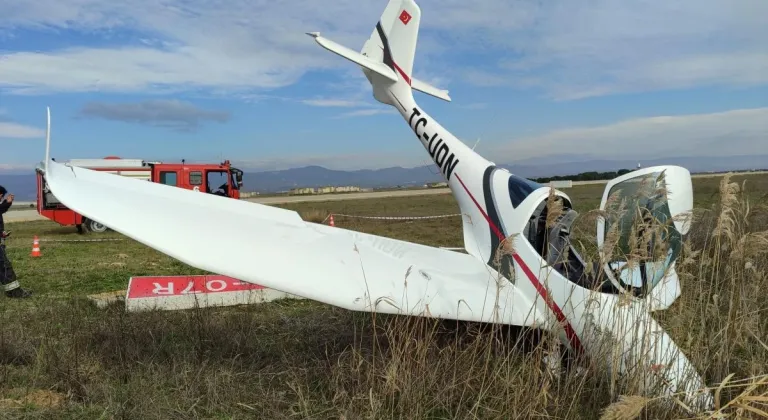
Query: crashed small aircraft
[510, 273]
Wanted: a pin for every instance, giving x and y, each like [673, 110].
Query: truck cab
[218, 179]
[222, 179]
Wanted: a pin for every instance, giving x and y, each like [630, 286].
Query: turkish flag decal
[405, 17]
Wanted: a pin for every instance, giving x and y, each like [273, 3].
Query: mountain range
[24, 186]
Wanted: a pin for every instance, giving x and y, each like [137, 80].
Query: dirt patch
[104, 299]
[39, 398]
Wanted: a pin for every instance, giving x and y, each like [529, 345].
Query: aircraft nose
[627, 339]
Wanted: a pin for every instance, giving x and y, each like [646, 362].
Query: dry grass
[314, 215]
[306, 360]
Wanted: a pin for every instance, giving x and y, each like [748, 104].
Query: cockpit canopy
[639, 234]
[640, 238]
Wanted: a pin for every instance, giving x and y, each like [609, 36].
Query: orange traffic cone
[36, 247]
[331, 221]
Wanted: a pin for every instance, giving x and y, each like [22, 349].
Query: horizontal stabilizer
[425, 87]
[354, 56]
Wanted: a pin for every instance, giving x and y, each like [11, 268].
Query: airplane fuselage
[438, 148]
[497, 207]
[497, 204]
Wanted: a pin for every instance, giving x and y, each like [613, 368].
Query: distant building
[324, 190]
[302, 191]
[346, 189]
[561, 184]
[437, 184]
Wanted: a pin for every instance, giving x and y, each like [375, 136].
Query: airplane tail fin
[387, 56]
[393, 40]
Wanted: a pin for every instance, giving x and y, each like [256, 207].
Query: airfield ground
[61, 357]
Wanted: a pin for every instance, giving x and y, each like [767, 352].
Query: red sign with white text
[159, 286]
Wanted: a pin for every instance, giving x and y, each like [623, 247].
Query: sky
[207, 80]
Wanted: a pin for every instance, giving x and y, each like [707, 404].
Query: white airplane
[525, 286]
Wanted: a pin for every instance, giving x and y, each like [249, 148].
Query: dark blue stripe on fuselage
[520, 189]
[503, 263]
[492, 212]
[388, 60]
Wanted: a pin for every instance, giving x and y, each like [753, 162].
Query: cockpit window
[645, 234]
[520, 188]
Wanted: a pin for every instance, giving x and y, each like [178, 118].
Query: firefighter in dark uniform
[7, 275]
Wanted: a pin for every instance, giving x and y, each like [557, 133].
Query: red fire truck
[220, 179]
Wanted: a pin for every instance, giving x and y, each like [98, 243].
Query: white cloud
[566, 49]
[144, 69]
[730, 133]
[10, 130]
[179, 45]
[178, 115]
[599, 47]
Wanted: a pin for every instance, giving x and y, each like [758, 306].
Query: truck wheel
[80, 229]
[95, 226]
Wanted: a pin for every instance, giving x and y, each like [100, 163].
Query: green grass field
[61, 357]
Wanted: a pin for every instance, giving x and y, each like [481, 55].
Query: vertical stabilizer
[393, 40]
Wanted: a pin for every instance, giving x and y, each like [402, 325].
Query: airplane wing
[275, 248]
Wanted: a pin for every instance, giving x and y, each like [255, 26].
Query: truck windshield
[237, 178]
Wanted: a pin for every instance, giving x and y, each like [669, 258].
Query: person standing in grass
[7, 275]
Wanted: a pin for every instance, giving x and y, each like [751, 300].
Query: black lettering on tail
[442, 152]
[449, 165]
[433, 150]
[439, 150]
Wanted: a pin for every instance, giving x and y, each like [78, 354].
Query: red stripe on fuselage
[488, 219]
[402, 73]
[569, 332]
